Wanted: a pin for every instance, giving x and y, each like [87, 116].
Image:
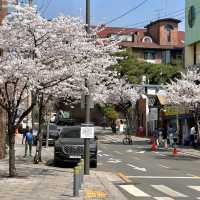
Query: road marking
[163, 177]
[131, 189]
[159, 153]
[137, 168]
[168, 191]
[191, 175]
[140, 152]
[123, 177]
[190, 154]
[117, 152]
[111, 160]
[100, 155]
[129, 151]
[163, 198]
[99, 151]
[195, 187]
[136, 158]
[164, 166]
[105, 155]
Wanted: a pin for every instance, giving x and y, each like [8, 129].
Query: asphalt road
[149, 175]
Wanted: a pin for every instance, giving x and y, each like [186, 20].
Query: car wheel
[93, 163]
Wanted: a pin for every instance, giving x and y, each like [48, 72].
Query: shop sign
[174, 110]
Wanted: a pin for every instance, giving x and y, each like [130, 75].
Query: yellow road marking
[123, 177]
[95, 194]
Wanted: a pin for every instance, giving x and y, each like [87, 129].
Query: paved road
[150, 175]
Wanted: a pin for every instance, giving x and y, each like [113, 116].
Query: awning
[162, 100]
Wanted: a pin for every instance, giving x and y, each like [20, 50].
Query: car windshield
[70, 133]
[66, 115]
[52, 127]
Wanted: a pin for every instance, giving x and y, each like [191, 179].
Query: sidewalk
[46, 182]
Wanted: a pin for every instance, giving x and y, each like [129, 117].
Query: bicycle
[127, 140]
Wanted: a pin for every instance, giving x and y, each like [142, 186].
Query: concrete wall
[192, 34]
[189, 54]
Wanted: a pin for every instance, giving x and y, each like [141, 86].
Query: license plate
[74, 156]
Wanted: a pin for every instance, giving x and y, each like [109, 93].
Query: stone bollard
[82, 170]
[76, 181]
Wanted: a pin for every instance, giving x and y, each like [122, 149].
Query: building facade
[192, 28]
[158, 42]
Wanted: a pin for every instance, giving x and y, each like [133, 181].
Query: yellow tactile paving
[95, 194]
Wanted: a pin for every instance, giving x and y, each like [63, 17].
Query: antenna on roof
[158, 13]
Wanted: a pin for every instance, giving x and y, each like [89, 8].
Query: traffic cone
[174, 151]
[153, 147]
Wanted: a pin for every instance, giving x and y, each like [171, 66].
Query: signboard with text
[87, 132]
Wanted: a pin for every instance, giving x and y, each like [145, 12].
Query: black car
[70, 147]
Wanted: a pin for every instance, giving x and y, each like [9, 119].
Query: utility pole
[30, 2]
[87, 104]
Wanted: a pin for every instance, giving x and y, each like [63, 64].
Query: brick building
[158, 42]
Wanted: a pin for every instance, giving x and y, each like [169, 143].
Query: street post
[87, 104]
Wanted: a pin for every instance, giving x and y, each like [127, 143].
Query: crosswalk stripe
[134, 191]
[195, 187]
[163, 198]
[168, 191]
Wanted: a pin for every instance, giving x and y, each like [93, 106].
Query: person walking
[28, 142]
[170, 134]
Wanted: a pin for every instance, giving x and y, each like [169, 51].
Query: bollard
[76, 181]
[82, 170]
[80, 175]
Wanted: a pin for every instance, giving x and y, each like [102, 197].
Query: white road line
[162, 177]
[105, 155]
[100, 155]
[164, 166]
[117, 152]
[112, 160]
[195, 187]
[163, 198]
[131, 189]
[136, 158]
[191, 175]
[129, 151]
[140, 152]
[168, 191]
[137, 168]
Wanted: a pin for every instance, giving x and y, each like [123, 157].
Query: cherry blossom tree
[124, 95]
[185, 91]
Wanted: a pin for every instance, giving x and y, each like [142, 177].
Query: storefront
[179, 118]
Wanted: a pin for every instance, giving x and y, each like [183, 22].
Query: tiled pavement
[46, 182]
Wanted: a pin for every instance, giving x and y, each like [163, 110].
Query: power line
[127, 12]
[180, 13]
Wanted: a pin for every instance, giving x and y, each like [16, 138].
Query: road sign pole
[87, 104]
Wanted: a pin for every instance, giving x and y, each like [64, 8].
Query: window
[147, 39]
[168, 32]
[128, 38]
[149, 55]
[191, 16]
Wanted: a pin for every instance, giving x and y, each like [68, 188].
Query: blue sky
[105, 10]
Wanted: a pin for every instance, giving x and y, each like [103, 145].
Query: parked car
[64, 118]
[53, 134]
[70, 147]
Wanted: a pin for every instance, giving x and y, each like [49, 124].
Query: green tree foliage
[155, 73]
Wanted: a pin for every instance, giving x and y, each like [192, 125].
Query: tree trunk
[40, 133]
[2, 134]
[11, 143]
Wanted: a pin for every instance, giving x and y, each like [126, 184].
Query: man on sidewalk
[28, 142]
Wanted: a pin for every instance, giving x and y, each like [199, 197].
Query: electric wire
[127, 12]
